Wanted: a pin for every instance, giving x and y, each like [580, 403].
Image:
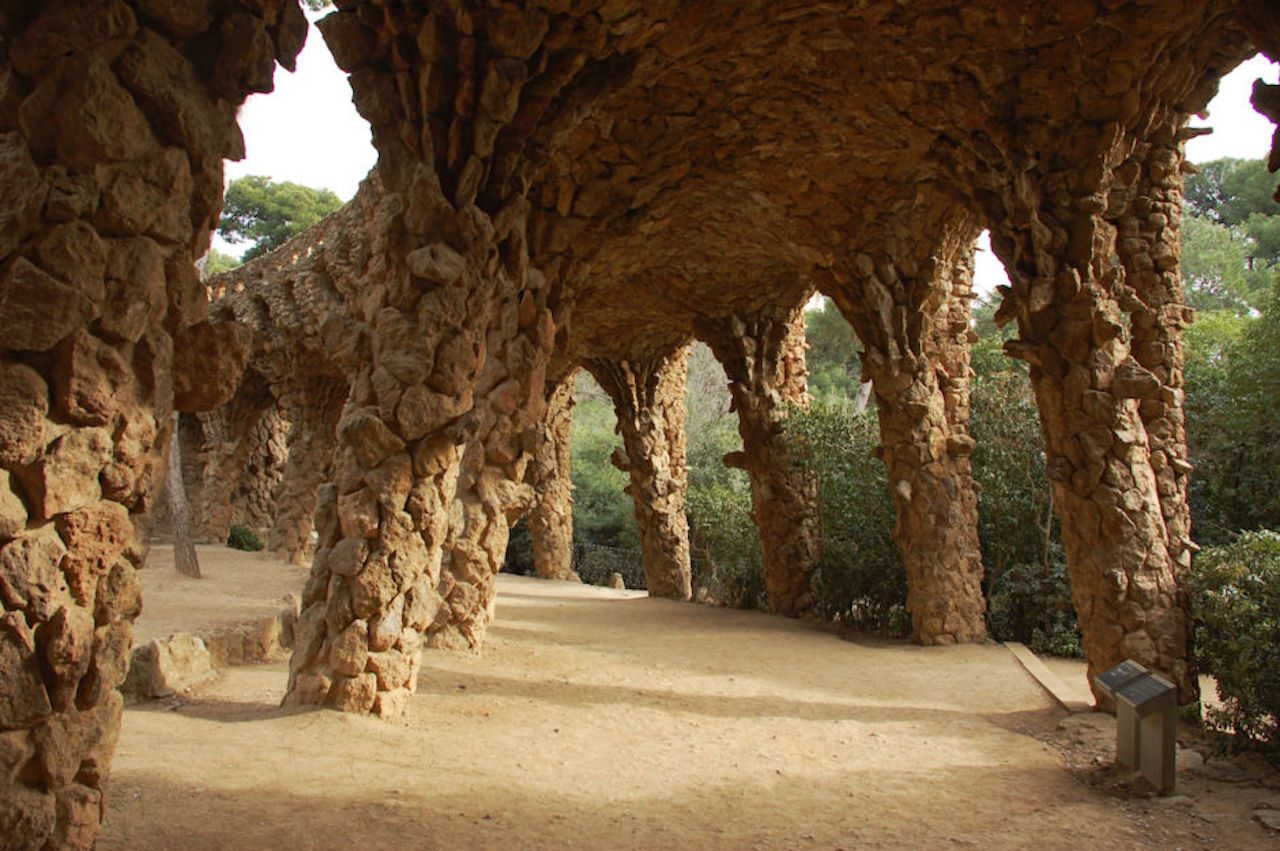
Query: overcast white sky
[308, 132]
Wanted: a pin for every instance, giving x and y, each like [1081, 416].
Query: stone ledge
[1066, 697]
[166, 666]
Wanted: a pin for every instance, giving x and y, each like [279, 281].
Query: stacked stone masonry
[115, 118]
[648, 398]
[551, 518]
[585, 184]
[763, 358]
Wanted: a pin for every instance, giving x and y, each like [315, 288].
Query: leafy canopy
[269, 213]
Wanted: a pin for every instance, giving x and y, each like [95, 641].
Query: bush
[724, 542]
[1025, 571]
[594, 564]
[861, 581]
[1031, 603]
[519, 557]
[244, 538]
[1236, 600]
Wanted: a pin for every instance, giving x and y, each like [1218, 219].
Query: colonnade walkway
[598, 718]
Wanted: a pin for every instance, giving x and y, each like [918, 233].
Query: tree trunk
[184, 548]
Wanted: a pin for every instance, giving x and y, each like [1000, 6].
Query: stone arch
[612, 161]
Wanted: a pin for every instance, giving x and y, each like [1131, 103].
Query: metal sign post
[1146, 721]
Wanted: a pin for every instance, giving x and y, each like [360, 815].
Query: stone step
[166, 666]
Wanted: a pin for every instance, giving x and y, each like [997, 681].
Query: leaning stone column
[910, 309]
[312, 437]
[648, 397]
[551, 519]
[763, 358]
[1149, 244]
[226, 452]
[115, 128]
[447, 337]
[1067, 291]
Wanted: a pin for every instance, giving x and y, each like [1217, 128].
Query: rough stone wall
[763, 358]
[449, 313]
[551, 518]
[312, 437]
[910, 305]
[1146, 209]
[241, 455]
[648, 398]
[114, 120]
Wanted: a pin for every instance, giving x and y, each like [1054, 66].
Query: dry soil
[603, 719]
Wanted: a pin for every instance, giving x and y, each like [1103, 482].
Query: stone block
[37, 310]
[28, 815]
[90, 379]
[354, 694]
[66, 643]
[349, 652]
[162, 667]
[66, 478]
[30, 574]
[13, 512]
[23, 699]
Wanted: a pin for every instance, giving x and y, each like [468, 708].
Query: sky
[308, 132]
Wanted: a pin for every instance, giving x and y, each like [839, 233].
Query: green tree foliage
[861, 581]
[834, 369]
[1236, 600]
[724, 544]
[216, 262]
[1024, 566]
[1233, 418]
[1215, 267]
[269, 213]
[1231, 262]
[1231, 235]
[602, 513]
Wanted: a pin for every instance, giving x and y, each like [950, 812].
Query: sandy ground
[603, 719]
[235, 586]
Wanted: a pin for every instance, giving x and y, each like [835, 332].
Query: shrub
[724, 543]
[244, 538]
[861, 581]
[1236, 600]
[1031, 603]
[594, 564]
[519, 556]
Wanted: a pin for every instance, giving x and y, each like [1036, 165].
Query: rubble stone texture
[114, 121]
[585, 180]
[909, 304]
[648, 398]
[551, 518]
[763, 358]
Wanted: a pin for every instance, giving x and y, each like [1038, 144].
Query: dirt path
[603, 719]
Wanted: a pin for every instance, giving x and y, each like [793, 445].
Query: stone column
[225, 453]
[551, 519]
[1069, 298]
[648, 397]
[313, 416]
[911, 311]
[113, 130]
[1148, 230]
[763, 358]
[449, 332]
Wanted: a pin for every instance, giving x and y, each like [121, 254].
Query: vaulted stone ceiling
[748, 144]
